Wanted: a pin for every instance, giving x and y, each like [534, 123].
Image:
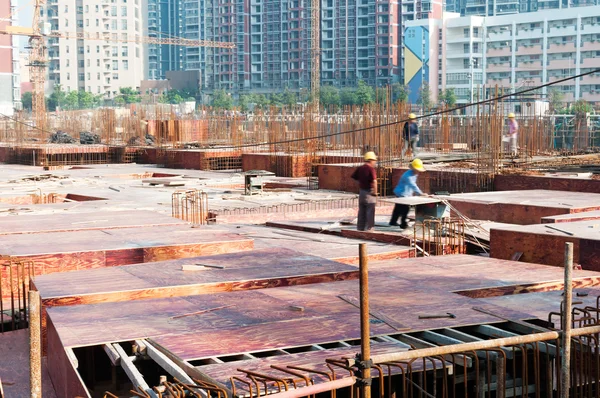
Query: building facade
[360, 40]
[164, 20]
[10, 83]
[109, 59]
[479, 56]
[496, 8]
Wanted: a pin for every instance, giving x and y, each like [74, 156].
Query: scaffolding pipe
[474, 346]
[365, 332]
[316, 388]
[35, 354]
[565, 368]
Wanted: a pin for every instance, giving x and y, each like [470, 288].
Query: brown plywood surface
[35, 224]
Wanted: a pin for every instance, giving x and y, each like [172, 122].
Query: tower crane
[38, 57]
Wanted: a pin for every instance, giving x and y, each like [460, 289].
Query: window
[115, 65]
[80, 50]
[66, 8]
[80, 63]
[81, 77]
[113, 24]
[68, 76]
[66, 22]
[68, 62]
[88, 62]
[125, 65]
[97, 22]
[115, 76]
[137, 52]
[87, 22]
[89, 76]
[87, 49]
[98, 75]
[67, 49]
[125, 51]
[115, 51]
[97, 49]
[97, 8]
[113, 11]
[124, 11]
[97, 62]
[466, 48]
[123, 24]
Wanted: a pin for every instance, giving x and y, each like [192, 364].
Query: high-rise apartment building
[10, 84]
[110, 58]
[503, 7]
[510, 53]
[360, 40]
[164, 20]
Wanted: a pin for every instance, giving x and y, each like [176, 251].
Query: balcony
[590, 46]
[531, 49]
[591, 96]
[499, 52]
[590, 79]
[498, 82]
[567, 47]
[501, 67]
[562, 64]
[529, 65]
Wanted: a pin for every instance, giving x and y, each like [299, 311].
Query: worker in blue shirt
[407, 186]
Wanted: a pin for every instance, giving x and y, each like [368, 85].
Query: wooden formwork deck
[544, 243]
[248, 323]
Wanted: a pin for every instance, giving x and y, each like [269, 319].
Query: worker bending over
[513, 133]
[411, 135]
[407, 186]
[367, 181]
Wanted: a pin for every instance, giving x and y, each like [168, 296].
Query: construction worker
[367, 181]
[411, 135]
[511, 137]
[407, 186]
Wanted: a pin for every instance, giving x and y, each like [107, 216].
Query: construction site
[148, 253]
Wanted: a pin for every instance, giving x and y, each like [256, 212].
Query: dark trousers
[400, 211]
[366, 211]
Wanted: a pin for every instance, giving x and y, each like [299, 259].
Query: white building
[10, 83]
[512, 52]
[109, 58]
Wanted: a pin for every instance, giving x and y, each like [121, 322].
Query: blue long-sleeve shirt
[407, 185]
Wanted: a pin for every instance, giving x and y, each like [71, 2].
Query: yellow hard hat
[417, 164]
[370, 156]
[412, 116]
[511, 115]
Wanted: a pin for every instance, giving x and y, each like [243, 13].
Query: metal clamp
[368, 364]
[364, 382]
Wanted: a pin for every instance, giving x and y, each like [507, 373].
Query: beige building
[109, 58]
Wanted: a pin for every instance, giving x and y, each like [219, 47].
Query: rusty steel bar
[35, 342]
[316, 389]
[565, 368]
[474, 346]
[365, 332]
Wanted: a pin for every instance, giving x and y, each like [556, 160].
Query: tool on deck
[436, 316]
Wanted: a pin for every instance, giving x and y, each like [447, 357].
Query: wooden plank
[132, 372]
[113, 355]
[375, 313]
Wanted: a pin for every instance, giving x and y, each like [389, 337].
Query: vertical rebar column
[565, 368]
[365, 333]
[35, 354]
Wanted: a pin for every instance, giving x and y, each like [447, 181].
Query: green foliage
[56, 99]
[81, 100]
[425, 97]
[329, 96]
[399, 93]
[348, 97]
[289, 98]
[127, 95]
[448, 97]
[556, 99]
[222, 100]
[276, 99]
[261, 101]
[381, 95]
[27, 100]
[581, 107]
[364, 94]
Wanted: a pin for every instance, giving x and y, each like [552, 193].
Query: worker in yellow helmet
[411, 135]
[367, 182]
[512, 135]
[407, 186]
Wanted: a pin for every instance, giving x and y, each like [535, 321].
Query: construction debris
[61, 137]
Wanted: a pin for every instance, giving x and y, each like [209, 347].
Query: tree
[57, 99]
[448, 97]
[581, 107]
[364, 94]
[128, 96]
[329, 97]
[85, 99]
[276, 99]
[222, 100]
[399, 93]
[289, 98]
[245, 100]
[72, 100]
[348, 97]
[26, 100]
[556, 100]
[424, 97]
[262, 101]
[381, 95]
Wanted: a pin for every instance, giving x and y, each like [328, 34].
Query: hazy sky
[25, 18]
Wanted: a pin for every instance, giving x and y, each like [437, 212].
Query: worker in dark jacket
[367, 181]
[411, 135]
[407, 186]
